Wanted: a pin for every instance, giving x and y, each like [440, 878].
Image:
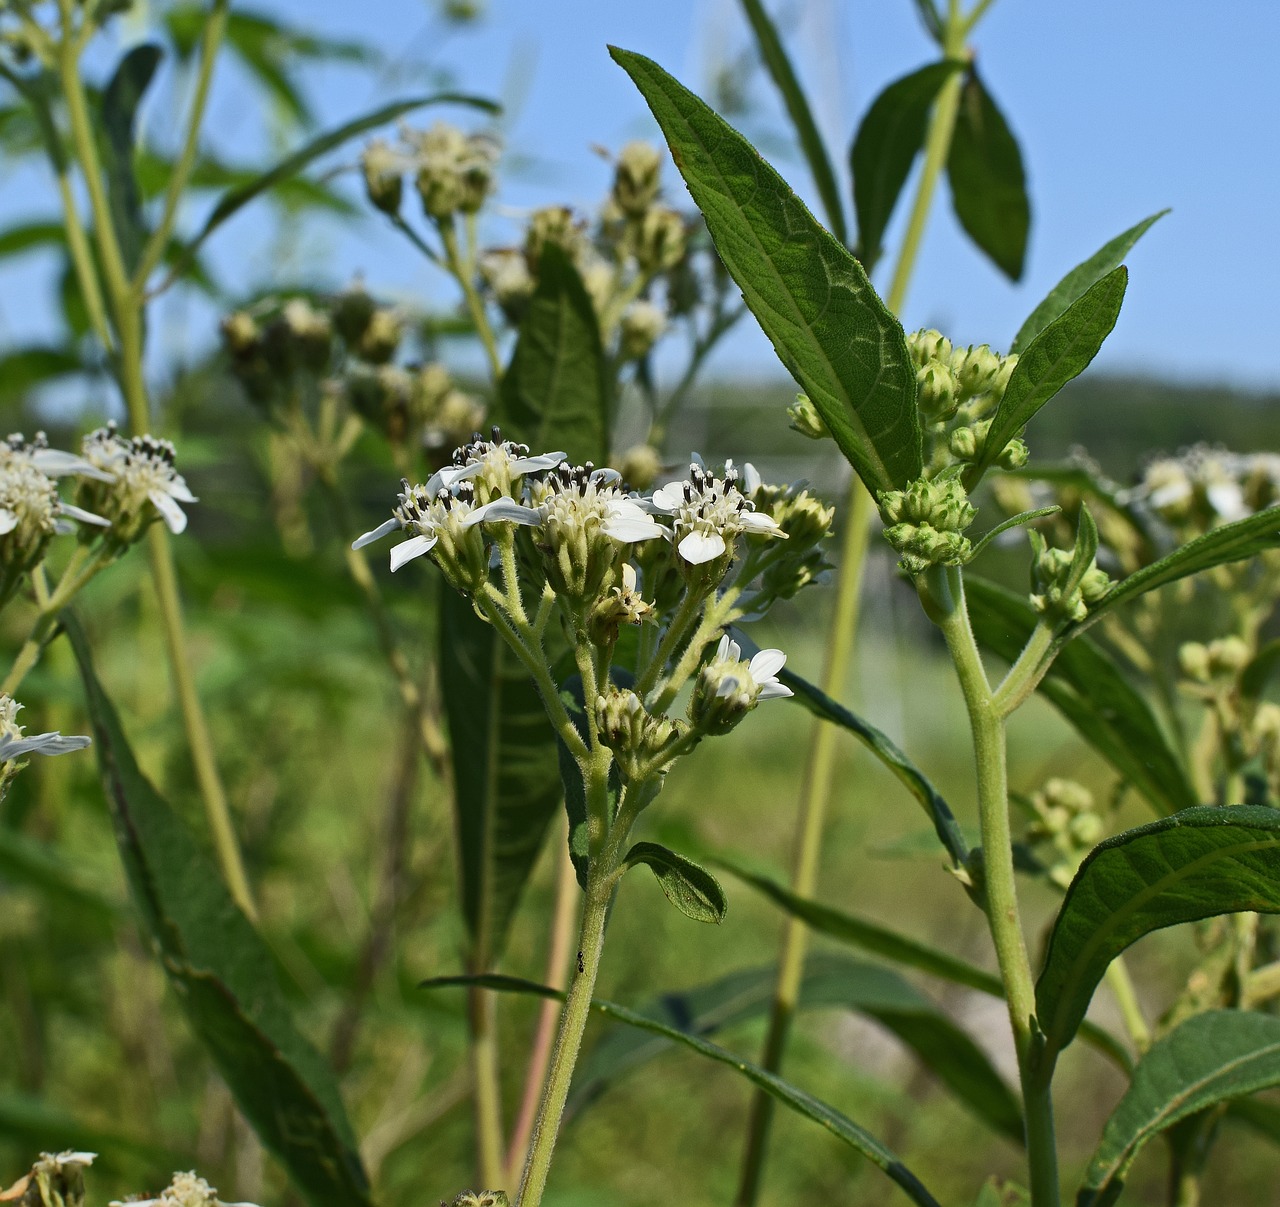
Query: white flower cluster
[1205, 486]
[142, 482]
[186, 1190]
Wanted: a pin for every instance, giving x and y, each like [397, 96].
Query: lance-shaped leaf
[505, 770]
[1210, 1058]
[829, 980]
[886, 145]
[693, 890]
[838, 1124]
[774, 56]
[988, 186]
[555, 394]
[1089, 689]
[898, 948]
[1196, 864]
[810, 296]
[236, 198]
[223, 973]
[1060, 352]
[1234, 542]
[120, 103]
[883, 747]
[1106, 259]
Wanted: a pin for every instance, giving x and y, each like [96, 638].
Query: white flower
[709, 512]
[495, 465]
[52, 462]
[13, 745]
[141, 470]
[757, 679]
[186, 1190]
[442, 521]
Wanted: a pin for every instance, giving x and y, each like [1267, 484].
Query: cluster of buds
[925, 523]
[958, 390]
[186, 1190]
[804, 418]
[478, 1198]
[1065, 827]
[1204, 487]
[1215, 662]
[454, 172]
[1062, 590]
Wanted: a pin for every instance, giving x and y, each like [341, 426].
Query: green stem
[685, 616]
[814, 798]
[718, 613]
[475, 306]
[486, 1087]
[987, 725]
[82, 263]
[1025, 674]
[1126, 996]
[214, 29]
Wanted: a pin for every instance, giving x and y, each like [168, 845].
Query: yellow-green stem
[82, 263]
[1126, 996]
[814, 797]
[486, 1088]
[463, 274]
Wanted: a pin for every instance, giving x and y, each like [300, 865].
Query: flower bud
[351, 313]
[55, 1180]
[505, 273]
[658, 240]
[306, 335]
[937, 392]
[1014, 455]
[383, 170]
[929, 345]
[805, 419]
[635, 181]
[1193, 661]
[381, 337]
[554, 224]
[455, 171]
[479, 1198]
[941, 503]
[383, 395]
[642, 324]
[1228, 656]
[963, 443]
[631, 731]
[622, 604]
[1055, 596]
[240, 334]
[640, 466]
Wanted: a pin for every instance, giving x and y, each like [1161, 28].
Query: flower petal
[526, 465]
[630, 528]
[41, 743]
[773, 690]
[758, 522]
[179, 489]
[406, 551]
[377, 533]
[750, 479]
[173, 515]
[443, 479]
[85, 517]
[8, 521]
[699, 547]
[55, 463]
[668, 498]
[766, 664]
[727, 686]
[503, 509]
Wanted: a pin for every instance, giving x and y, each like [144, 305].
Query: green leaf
[693, 890]
[882, 746]
[829, 980]
[1210, 1058]
[774, 56]
[1060, 352]
[1089, 689]
[236, 198]
[25, 368]
[1234, 542]
[988, 187]
[810, 296]
[1023, 517]
[554, 394]
[898, 948]
[1106, 259]
[839, 1125]
[506, 775]
[1196, 864]
[223, 973]
[885, 147]
[29, 236]
[120, 103]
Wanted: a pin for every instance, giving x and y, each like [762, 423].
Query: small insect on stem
[582, 967]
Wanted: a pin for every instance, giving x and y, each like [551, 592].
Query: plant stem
[814, 798]
[987, 725]
[486, 1087]
[475, 306]
[544, 1036]
[1127, 1000]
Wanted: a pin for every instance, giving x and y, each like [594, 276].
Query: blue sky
[1121, 109]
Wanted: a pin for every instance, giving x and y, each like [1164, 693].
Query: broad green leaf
[776, 62]
[885, 147]
[898, 948]
[25, 368]
[1106, 259]
[120, 103]
[1196, 864]
[1060, 352]
[223, 973]
[829, 980]
[236, 198]
[554, 394]
[1092, 693]
[839, 1125]
[810, 296]
[904, 770]
[1234, 542]
[1210, 1058]
[506, 775]
[988, 186]
[693, 890]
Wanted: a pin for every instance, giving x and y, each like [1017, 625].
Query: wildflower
[186, 1190]
[1199, 488]
[144, 486]
[13, 743]
[31, 512]
[635, 181]
[708, 513]
[728, 688]
[642, 325]
[54, 1178]
[455, 170]
[495, 465]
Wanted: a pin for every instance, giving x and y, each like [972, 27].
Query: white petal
[444, 478]
[630, 528]
[179, 489]
[606, 476]
[766, 664]
[524, 465]
[750, 479]
[722, 648]
[406, 551]
[8, 521]
[774, 690]
[757, 521]
[1171, 492]
[727, 686]
[668, 498]
[54, 462]
[1227, 499]
[699, 547]
[628, 577]
[40, 743]
[63, 527]
[173, 515]
[85, 517]
[503, 509]
[377, 533]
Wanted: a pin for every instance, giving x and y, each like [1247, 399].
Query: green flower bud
[1055, 596]
[455, 171]
[658, 240]
[963, 444]
[381, 337]
[240, 334]
[635, 182]
[805, 419]
[383, 169]
[300, 338]
[925, 346]
[1228, 656]
[642, 325]
[1193, 661]
[351, 312]
[383, 395]
[622, 604]
[976, 369]
[631, 732]
[941, 503]
[505, 273]
[640, 466]
[922, 546]
[554, 224]
[1014, 455]
[937, 392]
